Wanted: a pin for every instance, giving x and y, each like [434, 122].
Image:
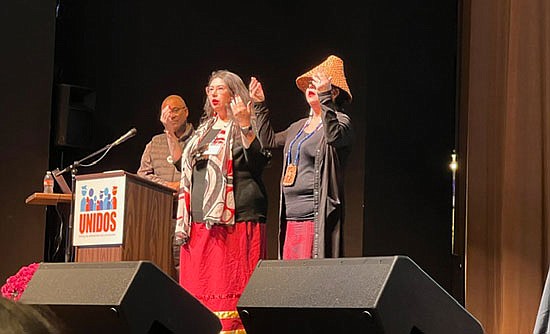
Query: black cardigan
[249, 189]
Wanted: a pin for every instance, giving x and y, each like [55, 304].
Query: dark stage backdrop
[27, 36]
[134, 53]
[411, 95]
[400, 60]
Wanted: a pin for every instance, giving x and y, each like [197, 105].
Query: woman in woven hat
[222, 202]
[315, 151]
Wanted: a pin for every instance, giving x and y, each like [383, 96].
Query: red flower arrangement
[16, 284]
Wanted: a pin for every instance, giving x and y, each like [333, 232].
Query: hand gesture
[241, 112]
[256, 90]
[169, 127]
[322, 82]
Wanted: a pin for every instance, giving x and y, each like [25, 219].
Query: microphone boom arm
[78, 163]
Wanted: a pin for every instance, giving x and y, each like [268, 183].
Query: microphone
[125, 137]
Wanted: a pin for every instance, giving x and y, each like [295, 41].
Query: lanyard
[297, 158]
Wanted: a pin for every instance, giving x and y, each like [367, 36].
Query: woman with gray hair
[222, 203]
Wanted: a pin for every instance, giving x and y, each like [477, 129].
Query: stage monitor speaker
[390, 295]
[74, 112]
[118, 297]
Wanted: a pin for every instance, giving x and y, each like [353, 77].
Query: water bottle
[48, 183]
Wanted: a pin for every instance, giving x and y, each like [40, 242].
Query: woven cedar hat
[333, 67]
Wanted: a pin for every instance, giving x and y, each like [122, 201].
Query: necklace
[292, 166]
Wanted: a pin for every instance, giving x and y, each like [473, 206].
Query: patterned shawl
[218, 201]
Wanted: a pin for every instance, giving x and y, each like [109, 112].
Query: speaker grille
[118, 297]
[327, 283]
[349, 295]
[102, 284]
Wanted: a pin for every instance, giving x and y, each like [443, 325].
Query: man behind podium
[156, 162]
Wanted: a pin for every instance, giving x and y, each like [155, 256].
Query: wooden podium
[146, 220]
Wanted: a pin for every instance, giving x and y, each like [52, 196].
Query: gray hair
[236, 87]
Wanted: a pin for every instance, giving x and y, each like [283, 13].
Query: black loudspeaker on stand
[74, 112]
[118, 297]
[376, 295]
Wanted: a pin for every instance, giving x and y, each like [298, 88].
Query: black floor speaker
[118, 297]
[390, 295]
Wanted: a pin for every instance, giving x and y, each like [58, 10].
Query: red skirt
[298, 240]
[216, 264]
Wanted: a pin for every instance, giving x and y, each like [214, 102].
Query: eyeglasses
[217, 89]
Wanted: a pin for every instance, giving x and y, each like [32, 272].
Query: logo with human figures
[93, 200]
[97, 211]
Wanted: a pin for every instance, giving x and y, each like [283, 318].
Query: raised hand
[241, 112]
[256, 90]
[322, 82]
[169, 127]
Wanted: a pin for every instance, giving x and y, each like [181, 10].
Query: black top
[299, 196]
[249, 190]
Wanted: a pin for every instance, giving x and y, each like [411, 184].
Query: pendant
[290, 175]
